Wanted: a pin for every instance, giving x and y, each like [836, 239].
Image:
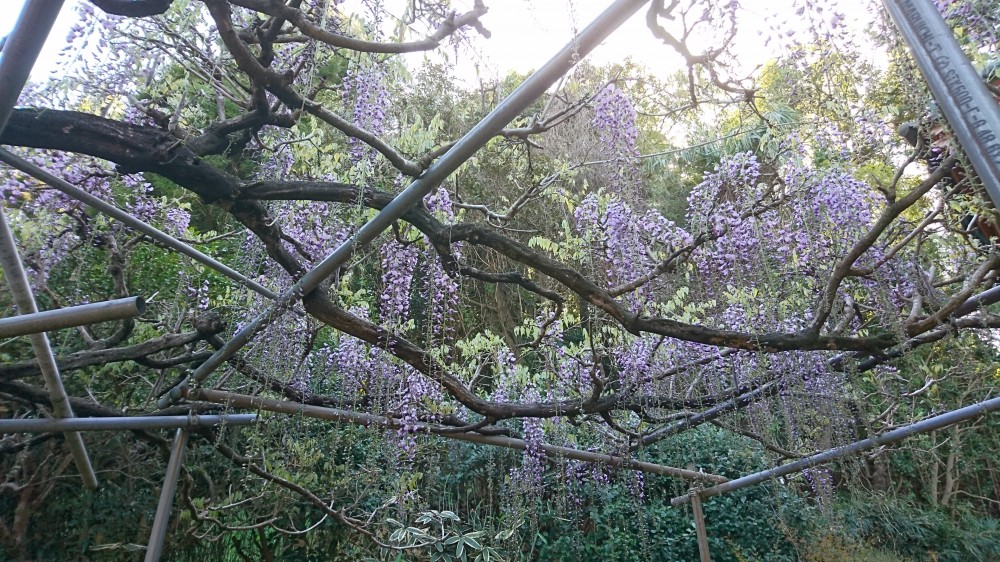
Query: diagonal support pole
[930, 424]
[110, 210]
[25, 302]
[18, 56]
[959, 91]
[21, 50]
[162, 517]
[525, 94]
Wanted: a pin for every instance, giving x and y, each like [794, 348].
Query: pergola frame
[17, 59]
[966, 104]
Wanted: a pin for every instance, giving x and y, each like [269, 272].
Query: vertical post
[699, 525]
[18, 56]
[159, 532]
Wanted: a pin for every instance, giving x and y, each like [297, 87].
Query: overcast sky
[56, 41]
[525, 33]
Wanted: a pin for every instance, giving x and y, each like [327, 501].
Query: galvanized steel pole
[21, 50]
[80, 315]
[162, 517]
[734, 403]
[529, 90]
[704, 554]
[233, 400]
[18, 56]
[110, 210]
[972, 304]
[937, 422]
[126, 423]
[25, 302]
[969, 107]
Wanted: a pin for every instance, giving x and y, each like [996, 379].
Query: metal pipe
[930, 424]
[25, 302]
[80, 315]
[704, 554]
[162, 517]
[900, 350]
[21, 50]
[19, 54]
[167, 240]
[122, 423]
[529, 90]
[357, 418]
[766, 389]
[959, 91]
[972, 304]
[976, 302]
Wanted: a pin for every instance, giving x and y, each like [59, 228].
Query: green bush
[756, 523]
[921, 534]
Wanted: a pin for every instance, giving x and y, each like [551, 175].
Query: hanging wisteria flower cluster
[365, 90]
[615, 124]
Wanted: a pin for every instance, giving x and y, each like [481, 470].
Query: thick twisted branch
[299, 19]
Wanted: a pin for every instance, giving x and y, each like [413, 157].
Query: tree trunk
[933, 488]
[951, 470]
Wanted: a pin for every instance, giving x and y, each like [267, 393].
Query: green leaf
[472, 543]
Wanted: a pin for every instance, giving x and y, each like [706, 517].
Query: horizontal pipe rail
[972, 304]
[122, 423]
[764, 390]
[976, 302]
[930, 424]
[522, 97]
[233, 400]
[80, 315]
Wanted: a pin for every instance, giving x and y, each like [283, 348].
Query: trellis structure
[966, 104]
[18, 57]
